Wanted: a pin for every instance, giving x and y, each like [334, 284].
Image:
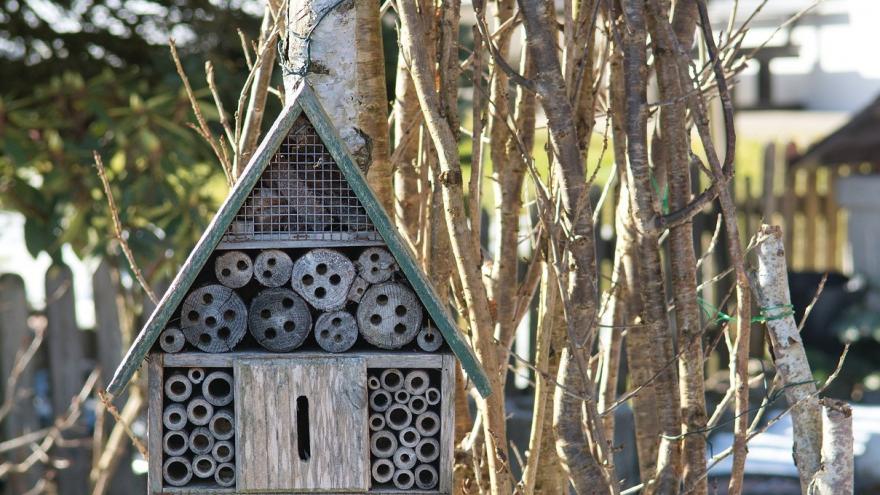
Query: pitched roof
[302, 102]
[857, 141]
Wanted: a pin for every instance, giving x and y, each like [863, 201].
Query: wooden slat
[831, 222]
[374, 359]
[154, 424]
[15, 336]
[66, 368]
[267, 434]
[447, 424]
[768, 197]
[789, 203]
[811, 218]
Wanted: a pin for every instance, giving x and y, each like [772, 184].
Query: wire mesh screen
[302, 195]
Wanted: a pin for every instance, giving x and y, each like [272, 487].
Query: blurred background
[84, 75]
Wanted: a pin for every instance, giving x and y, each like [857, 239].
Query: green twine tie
[766, 314]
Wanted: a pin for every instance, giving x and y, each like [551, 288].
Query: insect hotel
[300, 348]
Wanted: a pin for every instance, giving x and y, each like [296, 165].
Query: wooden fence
[67, 356]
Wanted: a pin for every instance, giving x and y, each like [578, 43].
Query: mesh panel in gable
[302, 195]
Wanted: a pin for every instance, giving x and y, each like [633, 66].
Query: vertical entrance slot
[303, 441]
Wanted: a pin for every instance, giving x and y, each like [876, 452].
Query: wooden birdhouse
[300, 347]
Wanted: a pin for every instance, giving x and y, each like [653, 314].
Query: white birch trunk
[836, 474]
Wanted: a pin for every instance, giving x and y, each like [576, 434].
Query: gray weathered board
[267, 434]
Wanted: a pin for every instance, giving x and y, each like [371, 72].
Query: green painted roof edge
[405, 259]
[304, 100]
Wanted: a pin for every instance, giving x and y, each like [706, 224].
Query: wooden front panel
[270, 405]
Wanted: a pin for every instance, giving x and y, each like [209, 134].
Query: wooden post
[811, 217]
[789, 201]
[14, 337]
[768, 196]
[111, 344]
[66, 367]
[831, 225]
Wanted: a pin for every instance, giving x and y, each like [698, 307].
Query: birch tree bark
[835, 477]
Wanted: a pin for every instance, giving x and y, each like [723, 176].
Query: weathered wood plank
[154, 424]
[373, 359]
[15, 336]
[271, 395]
[66, 367]
[447, 423]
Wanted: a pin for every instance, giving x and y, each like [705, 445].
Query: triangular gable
[304, 103]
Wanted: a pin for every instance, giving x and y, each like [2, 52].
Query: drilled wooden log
[174, 417]
[223, 451]
[199, 411]
[377, 422]
[383, 470]
[428, 423]
[383, 444]
[398, 417]
[175, 443]
[428, 450]
[373, 383]
[201, 441]
[171, 340]
[217, 388]
[279, 319]
[410, 437]
[402, 397]
[213, 318]
[426, 477]
[403, 479]
[336, 331]
[418, 404]
[358, 287]
[195, 375]
[177, 471]
[323, 277]
[376, 265]
[225, 475]
[204, 466]
[177, 387]
[222, 425]
[391, 380]
[234, 269]
[416, 382]
[272, 268]
[404, 458]
[380, 400]
[389, 315]
[429, 339]
[432, 396]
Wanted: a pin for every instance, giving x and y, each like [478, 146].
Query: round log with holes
[199, 411]
[225, 475]
[204, 466]
[383, 444]
[177, 471]
[222, 425]
[178, 387]
[426, 477]
[175, 443]
[389, 315]
[217, 388]
[323, 278]
[223, 451]
[171, 340]
[336, 331]
[234, 269]
[201, 441]
[429, 339]
[376, 265]
[174, 417]
[279, 319]
[358, 287]
[213, 318]
[272, 268]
